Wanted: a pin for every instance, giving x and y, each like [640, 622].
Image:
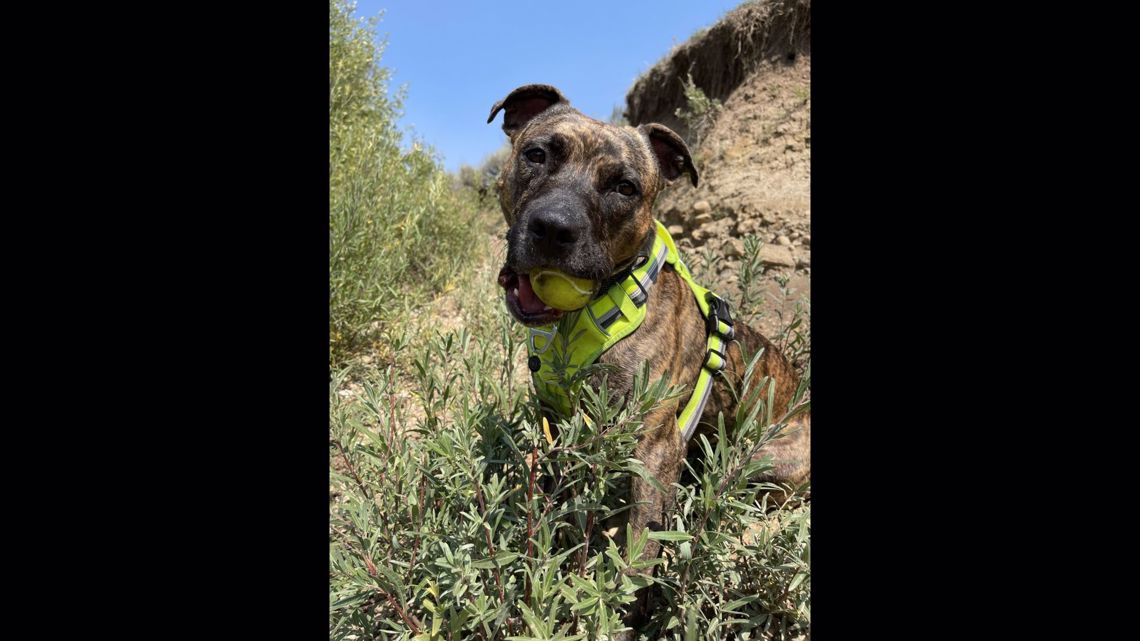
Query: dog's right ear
[525, 103]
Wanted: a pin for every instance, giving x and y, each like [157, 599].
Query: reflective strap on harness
[719, 323]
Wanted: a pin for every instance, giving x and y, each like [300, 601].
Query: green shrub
[398, 231]
[440, 526]
[481, 180]
[700, 111]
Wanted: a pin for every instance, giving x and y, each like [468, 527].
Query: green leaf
[501, 558]
[586, 606]
[796, 581]
[634, 582]
[352, 599]
[731, 606]
[670, 535]
[638, 468]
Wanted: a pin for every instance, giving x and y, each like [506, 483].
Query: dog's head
[577, 193]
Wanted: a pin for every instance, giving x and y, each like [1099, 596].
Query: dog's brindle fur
[582, 161]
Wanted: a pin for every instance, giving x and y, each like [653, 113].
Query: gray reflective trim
[601, 324]
[658, 260]
[695, 417]
[654, 271]
[608, 318]
[731, 332]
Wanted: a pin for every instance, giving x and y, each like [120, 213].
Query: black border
[235, 452]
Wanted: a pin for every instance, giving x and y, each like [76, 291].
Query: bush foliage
[398, 231]
[446, 526]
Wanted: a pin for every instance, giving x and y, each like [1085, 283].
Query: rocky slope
[754, 161]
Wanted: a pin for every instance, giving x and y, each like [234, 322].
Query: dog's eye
[536, 156]
[626, 188]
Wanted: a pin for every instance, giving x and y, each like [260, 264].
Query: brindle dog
[577, 194]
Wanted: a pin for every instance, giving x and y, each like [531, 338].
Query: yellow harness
[580, 337]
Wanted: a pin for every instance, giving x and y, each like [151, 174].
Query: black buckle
[718, 311]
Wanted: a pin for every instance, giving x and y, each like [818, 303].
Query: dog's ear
[670, 151]
[525, 103]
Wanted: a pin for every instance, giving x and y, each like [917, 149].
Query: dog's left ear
[525, 103]
[671, 152]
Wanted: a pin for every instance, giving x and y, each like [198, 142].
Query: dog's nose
[554, 231]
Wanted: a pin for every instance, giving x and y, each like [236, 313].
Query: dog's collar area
[580, 337]
[623, 271]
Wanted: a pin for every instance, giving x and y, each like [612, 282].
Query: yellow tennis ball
[560, 290]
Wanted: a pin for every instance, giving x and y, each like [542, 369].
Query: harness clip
[719, 313]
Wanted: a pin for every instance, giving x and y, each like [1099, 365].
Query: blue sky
[458, 58]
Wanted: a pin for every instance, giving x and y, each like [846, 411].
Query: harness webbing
[580, 337]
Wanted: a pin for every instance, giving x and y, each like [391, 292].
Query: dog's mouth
[522, 302]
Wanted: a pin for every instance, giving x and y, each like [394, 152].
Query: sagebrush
[699, 113]
[398, 231]
[441, 527]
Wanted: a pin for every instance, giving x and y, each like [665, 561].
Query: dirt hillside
[754, 160]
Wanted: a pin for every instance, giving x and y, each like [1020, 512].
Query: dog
[577, 194]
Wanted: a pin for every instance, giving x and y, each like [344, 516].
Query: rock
[747, 226]
[722, 227]
[803, 258]
[784, 240]
[776, 255]
[676, 231]
[701, 206]
[806, 240]
[672, 216]
[702, 218]
[732, 248]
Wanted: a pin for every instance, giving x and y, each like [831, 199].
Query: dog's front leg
[661, 450]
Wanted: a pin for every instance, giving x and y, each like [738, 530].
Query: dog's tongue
[528, 300]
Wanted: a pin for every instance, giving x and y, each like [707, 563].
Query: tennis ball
[559, 290]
